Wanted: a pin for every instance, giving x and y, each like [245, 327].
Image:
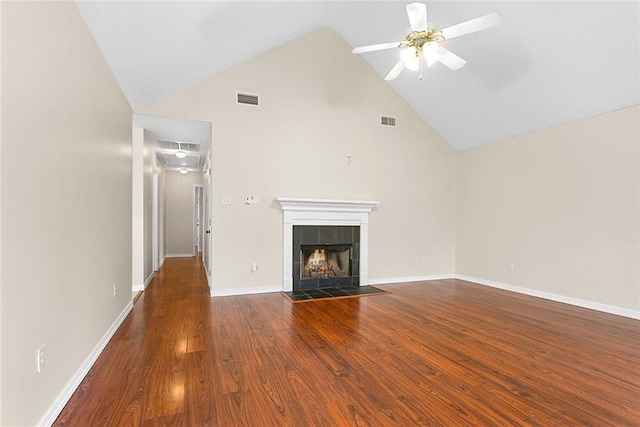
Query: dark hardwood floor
[447, 352]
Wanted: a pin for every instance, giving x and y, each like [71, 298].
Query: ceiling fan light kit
[424, 44]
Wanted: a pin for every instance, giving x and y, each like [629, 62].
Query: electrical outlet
[510, 265]
[226, 200]
[251, 200]
[115, 290]
[423, 259]
[40, 359]
[440, 258]
[254, 267]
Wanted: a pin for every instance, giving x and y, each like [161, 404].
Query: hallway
[154, 362]
[443, 352]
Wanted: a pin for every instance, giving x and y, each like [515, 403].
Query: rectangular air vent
[175, 145]
[388, 121]
[247, 98]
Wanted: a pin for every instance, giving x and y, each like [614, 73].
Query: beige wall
[66, 202]
[320, 103]
[562, 204]
[179, 212]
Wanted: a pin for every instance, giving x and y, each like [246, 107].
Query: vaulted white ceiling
[548, 62]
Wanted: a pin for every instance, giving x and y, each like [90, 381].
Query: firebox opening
[325, 261]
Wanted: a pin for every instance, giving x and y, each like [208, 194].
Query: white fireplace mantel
[298, 211]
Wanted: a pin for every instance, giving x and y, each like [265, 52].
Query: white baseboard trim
[410, 279]
[611, 309]
[63, 398]
[162, 261]
[141, 287]
[149, 279]
[245, 291]
[184, 255]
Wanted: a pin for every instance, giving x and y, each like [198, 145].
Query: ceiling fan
[423, 45]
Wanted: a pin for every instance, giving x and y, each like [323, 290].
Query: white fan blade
[395, 71]
[430, 60]
[450, 59]
[477, 24]
[417, 16]
[375, 47]
[431, 53]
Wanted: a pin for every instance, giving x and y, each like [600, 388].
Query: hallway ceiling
[547, 63]
[168, 135]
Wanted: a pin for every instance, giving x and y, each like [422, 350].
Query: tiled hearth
[315, 294]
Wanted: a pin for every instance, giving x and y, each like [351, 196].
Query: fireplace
[338, 215]
[325, 261]
[325, 256]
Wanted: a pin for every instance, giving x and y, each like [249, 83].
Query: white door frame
[198, 190]
[155, 226]
[202, 222]
[208, 226]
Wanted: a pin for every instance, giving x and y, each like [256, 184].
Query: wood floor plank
[443, 352]
[198, 389]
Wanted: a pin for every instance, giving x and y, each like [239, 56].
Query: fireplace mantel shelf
[326, 205]
[306, 211]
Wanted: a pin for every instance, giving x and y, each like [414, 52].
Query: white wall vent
[388, 121]
[248, 98]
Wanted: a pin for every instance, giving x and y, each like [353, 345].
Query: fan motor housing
[418, 38]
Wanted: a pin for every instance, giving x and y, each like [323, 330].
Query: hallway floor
[444, 352]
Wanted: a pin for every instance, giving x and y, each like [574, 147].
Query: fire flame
[320, 262]
[317, 259]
